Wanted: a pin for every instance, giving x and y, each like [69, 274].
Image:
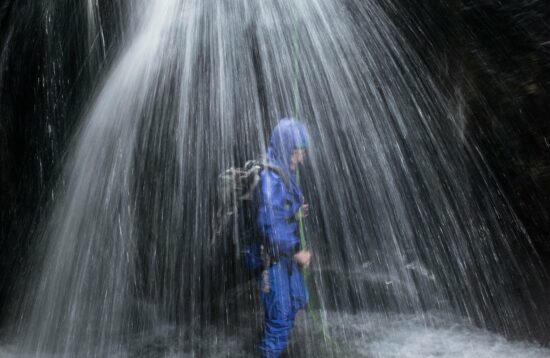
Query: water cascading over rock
[405, 215]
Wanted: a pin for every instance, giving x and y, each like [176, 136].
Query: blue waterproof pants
[282, 297]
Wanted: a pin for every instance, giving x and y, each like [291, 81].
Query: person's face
[297, 157]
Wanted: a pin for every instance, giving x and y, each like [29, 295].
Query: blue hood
[287, 135]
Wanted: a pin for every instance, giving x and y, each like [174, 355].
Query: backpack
[235, 221]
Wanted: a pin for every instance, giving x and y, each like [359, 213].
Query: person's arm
[274, 191]
[277, 214]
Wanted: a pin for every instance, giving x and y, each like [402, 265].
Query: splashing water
[405, 217]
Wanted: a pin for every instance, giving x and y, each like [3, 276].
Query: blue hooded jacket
[279, 201]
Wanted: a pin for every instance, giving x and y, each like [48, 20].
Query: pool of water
[331, 334]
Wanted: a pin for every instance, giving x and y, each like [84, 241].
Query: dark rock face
[495, 58]
[508, 55]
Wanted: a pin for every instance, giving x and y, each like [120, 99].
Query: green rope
[303, 242]
[319, 321]
[317, 318]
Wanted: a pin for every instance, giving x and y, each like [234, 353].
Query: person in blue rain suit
[281, 206]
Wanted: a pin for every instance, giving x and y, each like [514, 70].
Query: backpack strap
[253, 168]
[277, 171]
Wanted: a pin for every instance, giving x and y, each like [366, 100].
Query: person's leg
[278, 311]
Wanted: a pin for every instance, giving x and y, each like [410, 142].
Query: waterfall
[406, 216]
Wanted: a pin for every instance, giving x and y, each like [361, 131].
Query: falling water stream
[416, 251]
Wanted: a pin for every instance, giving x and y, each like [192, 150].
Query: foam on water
[350, 335]
[411, 337]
